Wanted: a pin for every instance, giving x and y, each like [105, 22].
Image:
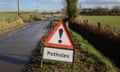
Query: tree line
[114, 11]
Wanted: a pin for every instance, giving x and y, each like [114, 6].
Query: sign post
[58, 45]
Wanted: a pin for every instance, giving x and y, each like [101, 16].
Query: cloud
[51, 5]
[100, 1]
[9, 2]
[11, 5]
[108, 0]
[47, 1]
[8, 8]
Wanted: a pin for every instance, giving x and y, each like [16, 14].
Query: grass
[87, 47]
[110, 20]
[6, 26]
[26, 17]
[10, 21]
[87, 59]
[13, 16]
[7, 16]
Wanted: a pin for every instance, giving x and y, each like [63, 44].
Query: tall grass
[90, 49]
[10, 21]
[94, 55]
[6, 26]
[104, 25]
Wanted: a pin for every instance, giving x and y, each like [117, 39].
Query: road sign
[59, 37]
[58, 54]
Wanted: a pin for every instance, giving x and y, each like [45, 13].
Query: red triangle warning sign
[59, 37]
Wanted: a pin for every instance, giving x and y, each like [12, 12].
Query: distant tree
[106, 11]
[80, 8]
[58, 12]
[101, 11]
[72, 11]
[115, 10]
[63, 10]
[87, 11]
[64, 6]
[36, 10]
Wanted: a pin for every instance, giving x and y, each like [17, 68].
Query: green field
[110, 20]
[12, 16]
[11, 21]
[7, 16]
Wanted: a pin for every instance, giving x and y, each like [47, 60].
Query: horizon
[52, 6]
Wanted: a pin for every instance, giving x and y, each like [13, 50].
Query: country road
[17, 46]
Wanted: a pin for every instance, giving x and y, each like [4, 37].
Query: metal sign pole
[41, 53]
[73, 60]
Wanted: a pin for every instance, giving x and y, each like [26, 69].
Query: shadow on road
[12, 60]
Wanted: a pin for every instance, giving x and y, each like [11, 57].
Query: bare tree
[115, 10]
[63, 10]
[101, 11]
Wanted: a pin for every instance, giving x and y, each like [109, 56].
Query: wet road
[17, 46]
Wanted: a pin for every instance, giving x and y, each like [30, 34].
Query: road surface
[17, 46]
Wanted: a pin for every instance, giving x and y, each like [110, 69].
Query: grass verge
[6, 26]
[90, 56]
[11, 21]
[87, 58]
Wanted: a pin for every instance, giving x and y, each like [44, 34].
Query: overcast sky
[51, 5]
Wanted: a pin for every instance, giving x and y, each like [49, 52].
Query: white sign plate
[58, 54]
